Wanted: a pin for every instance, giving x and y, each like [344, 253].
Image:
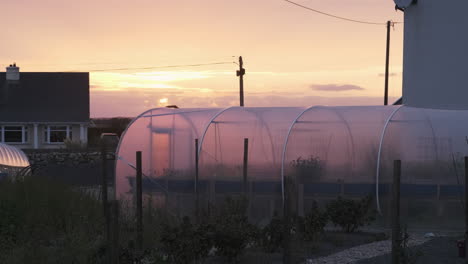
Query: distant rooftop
[45, 97]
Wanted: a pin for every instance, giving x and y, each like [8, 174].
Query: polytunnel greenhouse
[12, 160]
[196, 157]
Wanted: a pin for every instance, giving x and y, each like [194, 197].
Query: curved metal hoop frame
[379, 155]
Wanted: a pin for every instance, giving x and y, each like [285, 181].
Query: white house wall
[41, 143]
[435, 74]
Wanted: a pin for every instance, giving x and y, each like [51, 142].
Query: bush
[186, 243]
[308, 169]
[232, 230]
[74, 145]
[407, 254]
[271, 237]
[227, 230]
[42, 221]
[351, 214]
[314, 222]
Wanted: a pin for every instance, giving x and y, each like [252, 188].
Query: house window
[57, 134]
[14, 134]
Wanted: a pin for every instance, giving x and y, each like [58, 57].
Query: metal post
[387, 62]
[396, 234]
[245, 166]
[139, 202]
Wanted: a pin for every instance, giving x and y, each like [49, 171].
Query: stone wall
[82, 168]
[86, 158]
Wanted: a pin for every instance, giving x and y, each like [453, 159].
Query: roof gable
[45, 97]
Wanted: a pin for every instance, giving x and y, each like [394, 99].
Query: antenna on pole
[387, 62]
[241, 73]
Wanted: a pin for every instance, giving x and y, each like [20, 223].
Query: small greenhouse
[325, 151]
[12, 160]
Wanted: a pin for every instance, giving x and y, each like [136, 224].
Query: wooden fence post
[287, 215]
[104, 198]
[139, 202]
[245, 166]
[396, 233]
[197, 196]
[115, 232]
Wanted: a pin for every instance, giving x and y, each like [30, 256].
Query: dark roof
[45, 97]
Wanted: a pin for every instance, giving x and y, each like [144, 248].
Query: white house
[40, 110]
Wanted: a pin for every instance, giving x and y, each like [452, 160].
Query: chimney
[12, 80]
[12, 73]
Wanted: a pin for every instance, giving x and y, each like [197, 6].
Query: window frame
[47, 130]
[24, 133]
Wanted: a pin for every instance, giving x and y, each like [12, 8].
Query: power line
[163, 67]
[338, 17]
[103, 63]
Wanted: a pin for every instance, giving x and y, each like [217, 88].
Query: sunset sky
[293, 57]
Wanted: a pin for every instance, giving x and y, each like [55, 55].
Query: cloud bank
[109, 104]
[335, 87]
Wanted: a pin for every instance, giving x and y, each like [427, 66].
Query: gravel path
[367, 251]
[439, 250]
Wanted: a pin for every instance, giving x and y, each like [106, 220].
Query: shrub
[351, 214]
[307, 169]
[42, 221]
[186, 243]
[8, 226]
[271, 237]
[314, 222]
[74, 145]
[232, 230]
[407, 255]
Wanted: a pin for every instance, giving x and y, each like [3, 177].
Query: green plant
[186, 243]
[351, 214]
[42, 221]
[310, 168]
[74, 145]
[407, 255]
[314, 222]
[271, 236]
[8, 226]
[232, 230]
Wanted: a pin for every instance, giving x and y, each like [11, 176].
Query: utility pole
[241, 73]
[387, 62]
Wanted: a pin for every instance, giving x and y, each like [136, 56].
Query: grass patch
[42, 221]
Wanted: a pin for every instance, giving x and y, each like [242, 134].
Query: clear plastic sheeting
[432, 145]
[304, 154]
[12, 157]
[166, 138]
[332, 151]
[261, 133]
